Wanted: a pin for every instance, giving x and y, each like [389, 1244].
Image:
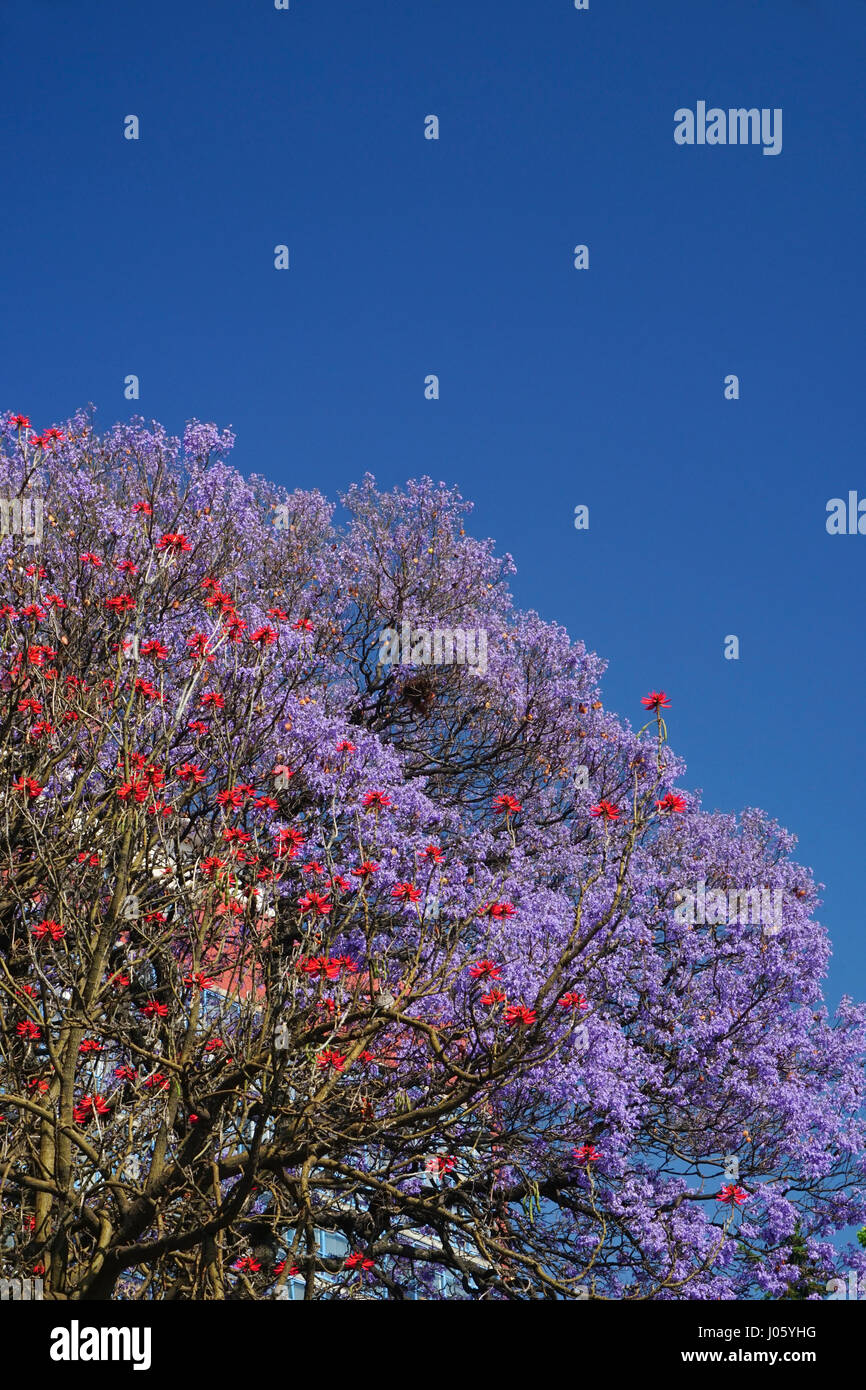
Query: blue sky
[454, 257]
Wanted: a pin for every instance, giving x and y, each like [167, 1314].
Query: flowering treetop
[293, 941]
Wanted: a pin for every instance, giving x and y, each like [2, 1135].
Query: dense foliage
[322, 969]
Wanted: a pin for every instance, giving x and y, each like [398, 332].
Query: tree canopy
[392, 978]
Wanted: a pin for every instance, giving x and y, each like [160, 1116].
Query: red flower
[494, 996]
[190, 770]
[28, 1030]
[507, 804]
[198, 726]
[518, 1014]
[148, 689]
[657, 699]
[406, 892]
[344, 746]
[90, 559]
[587, 1153]
[671, 802]
[280, 1266]
[210, 865]
[38, 1083]
[439, 1163]
[143, 507]
[303, 625]
[572, 1001]
[365, 869]
[232, 796]
[153, 1009]
[265, 636]
[331, 1059]
[28, 784]
[247, 1262]
[288, 841]
[121, 603]
[213, 697]
[90, 1045]
[157, 1082]
[199, 645]
[378, 799]
[497, 910]
[314, 902]
[49, 928]
[320, 965]
[127, 566]
[138, 789]
[196, 981]
[174, 541]
[36, 655]
[485, 969]
[433, 852]
[358, 1260]
[87, 1107]
[155, 649]
[21, 421]
[606, 809]
[314, 867]
[736, 1195]
[232, 907]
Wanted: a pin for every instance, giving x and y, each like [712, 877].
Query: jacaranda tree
[381, 977]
